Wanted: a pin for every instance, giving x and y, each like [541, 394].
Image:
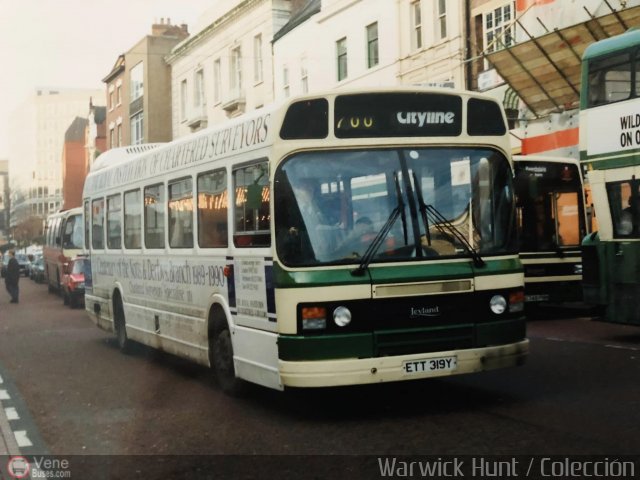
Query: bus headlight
[314, 318]
[498, 304]
[342, 316]
[577, 269]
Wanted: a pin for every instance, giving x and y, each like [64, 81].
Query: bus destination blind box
[403, 115]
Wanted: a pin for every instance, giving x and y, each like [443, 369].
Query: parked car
[23, 261]
[37, 270]
[32, 264]
[73, 281]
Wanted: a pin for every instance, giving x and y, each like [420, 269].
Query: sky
[73, 43]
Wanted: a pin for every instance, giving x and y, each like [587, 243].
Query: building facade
[225, 68]
[138, 89]
[74, 163]
[371, 43]
[37, 132]
[527, 53]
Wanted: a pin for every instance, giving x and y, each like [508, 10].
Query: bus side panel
[256, 356]
[622, 260]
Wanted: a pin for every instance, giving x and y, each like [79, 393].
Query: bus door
[250, 280]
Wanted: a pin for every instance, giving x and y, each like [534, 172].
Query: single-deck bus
[610, 149]
[64, 240]
[336, 239]
[552, 223]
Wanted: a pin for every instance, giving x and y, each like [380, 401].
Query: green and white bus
[552, 222]
[336, 239]
[610, 150]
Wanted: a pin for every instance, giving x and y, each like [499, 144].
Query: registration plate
[440, 364]
[537, 298]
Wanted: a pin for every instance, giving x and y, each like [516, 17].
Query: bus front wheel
[119, 326]
[222, 359]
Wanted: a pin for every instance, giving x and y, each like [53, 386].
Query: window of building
[341, 49]
[97, 224]
[441, 19]
[119, 95]
[285, 81]
[181, 213]
[183, 100]
[236, 69]
[111, 99]
[137, 131]
[137, 81]
[304, 75]
[112, 138]
[114, 225]
[252, 196]
[372, 45]
[416, 26]
[132, 219]
[498, 28]
[198, 90]
[212, 209]
[257, 58]
[119, 135]
[154, 216]
[217, 81]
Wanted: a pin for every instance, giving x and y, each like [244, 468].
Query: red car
[73, 281]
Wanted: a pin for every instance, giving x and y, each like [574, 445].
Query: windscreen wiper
[379, 238]
[444, 226]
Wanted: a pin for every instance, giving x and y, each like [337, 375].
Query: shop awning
[545, 71]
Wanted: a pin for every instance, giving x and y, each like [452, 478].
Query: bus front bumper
[331, 373]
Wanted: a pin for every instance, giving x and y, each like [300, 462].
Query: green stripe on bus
[606, 161]
[400, 273]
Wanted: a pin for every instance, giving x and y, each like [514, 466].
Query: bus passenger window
[132, 219]
[212, 209]
[181, 214]
[252, 197]
[114, 227]
[97, 224]
[154, 216]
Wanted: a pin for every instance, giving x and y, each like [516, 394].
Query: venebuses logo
[425, 312]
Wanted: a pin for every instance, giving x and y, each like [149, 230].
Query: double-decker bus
[610, 149]
[335, 239]
[552, 222]
[64, 240]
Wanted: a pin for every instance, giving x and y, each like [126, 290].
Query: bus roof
[614, 44]
[114, 156]
[259, 128]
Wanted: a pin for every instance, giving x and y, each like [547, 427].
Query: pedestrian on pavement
[12, 277]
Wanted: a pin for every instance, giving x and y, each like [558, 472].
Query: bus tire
[221, 356]
[119, 325]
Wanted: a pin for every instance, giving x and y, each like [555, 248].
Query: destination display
[398, 115]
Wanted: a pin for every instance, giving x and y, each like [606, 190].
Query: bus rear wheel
[222, 359]
[119, 326]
